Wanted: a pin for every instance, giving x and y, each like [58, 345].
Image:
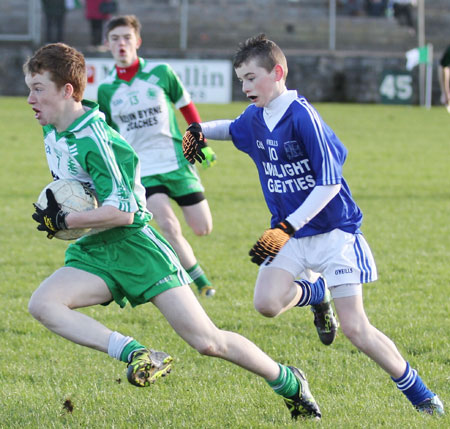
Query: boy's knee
[208, 348]
[266, 308]
[36, 307]
[170, 227]
[42, 306]
[357, 331]
[350, 331]
[201, 230]
[211, 343]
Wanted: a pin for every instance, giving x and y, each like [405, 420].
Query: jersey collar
[91, 113]
[275, 110]
[138, 65]
[128, 73]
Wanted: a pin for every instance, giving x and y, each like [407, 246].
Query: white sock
[116, 344]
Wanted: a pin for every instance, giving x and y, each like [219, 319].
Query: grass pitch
[397, 169]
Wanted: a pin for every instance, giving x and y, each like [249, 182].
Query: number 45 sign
[396, 87]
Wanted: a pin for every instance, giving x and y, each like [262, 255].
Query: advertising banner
[208, 81]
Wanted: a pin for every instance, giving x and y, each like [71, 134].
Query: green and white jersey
[142, 112]
[93, 153]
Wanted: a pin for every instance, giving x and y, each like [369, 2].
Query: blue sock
[412, 386]
[313, 293]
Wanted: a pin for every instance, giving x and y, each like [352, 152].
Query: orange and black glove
[193, 143]
[271, 242]
[195, 147]
[51, 219]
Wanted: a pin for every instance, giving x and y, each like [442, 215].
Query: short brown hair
[65, 65]
[267, 53]
[124, 21]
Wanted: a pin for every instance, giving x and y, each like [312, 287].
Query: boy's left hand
[271, 242]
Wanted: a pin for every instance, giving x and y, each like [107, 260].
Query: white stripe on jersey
[327, 173]
[73, 149]
[100, 138]
[181, 273]
[85, 121]
[149, 66]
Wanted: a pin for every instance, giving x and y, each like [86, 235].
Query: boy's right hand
[193, 143]
[51, 219]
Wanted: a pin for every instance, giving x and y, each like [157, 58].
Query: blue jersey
[295, 150]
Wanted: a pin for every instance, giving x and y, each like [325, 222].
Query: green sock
[286, 384]
[198, 275]
[129, 348]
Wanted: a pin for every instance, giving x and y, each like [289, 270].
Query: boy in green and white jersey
[138, 98]
[127, 260]
[90, 145]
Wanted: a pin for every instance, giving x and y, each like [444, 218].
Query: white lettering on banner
[207, 81]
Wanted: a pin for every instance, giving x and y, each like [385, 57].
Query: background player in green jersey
[127, 260]
[138, 98]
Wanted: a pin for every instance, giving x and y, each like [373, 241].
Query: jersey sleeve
[104, 103]
[326, 153]
[109, 178]
[240, 129]
[172, 85]
[190, 113]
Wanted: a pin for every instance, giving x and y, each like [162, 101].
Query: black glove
[51, 219]
[271, 242]
[193, 143]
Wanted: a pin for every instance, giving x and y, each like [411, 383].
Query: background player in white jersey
[315, 222]
[137, 99]
[129, 261]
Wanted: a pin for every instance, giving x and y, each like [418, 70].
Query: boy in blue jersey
[315, 225]
[125, 260]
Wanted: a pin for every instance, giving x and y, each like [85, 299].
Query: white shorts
[340, 291]
[340, 257]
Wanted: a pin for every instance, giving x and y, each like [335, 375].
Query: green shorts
[178, 183]
[136, 264]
